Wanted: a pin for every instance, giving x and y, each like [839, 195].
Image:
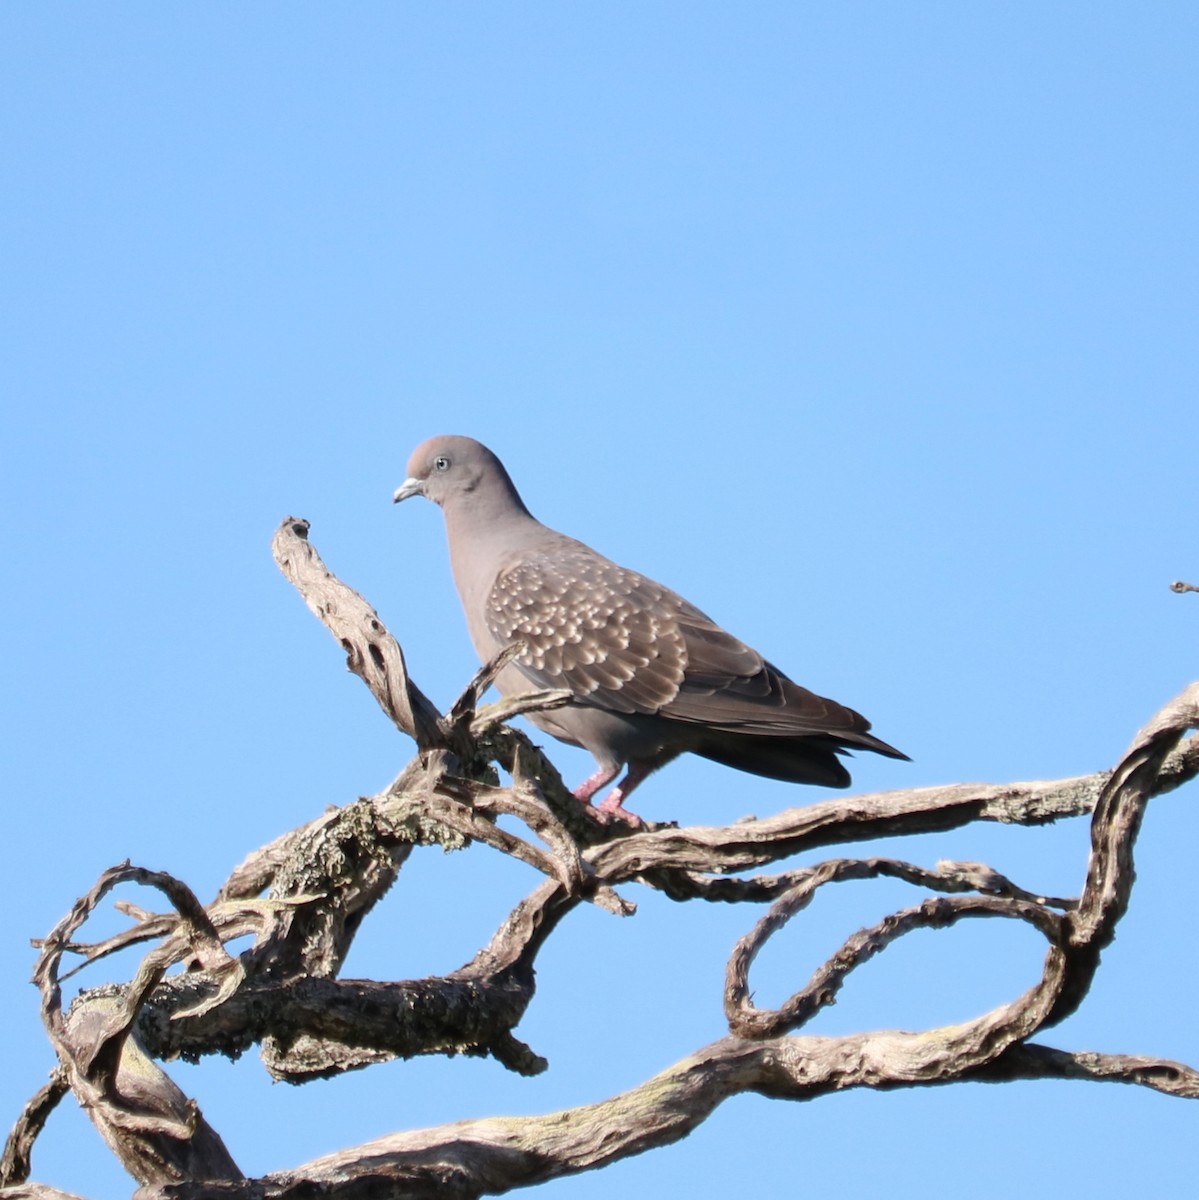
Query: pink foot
[613, 809]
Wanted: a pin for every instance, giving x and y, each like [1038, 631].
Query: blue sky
[870, 328]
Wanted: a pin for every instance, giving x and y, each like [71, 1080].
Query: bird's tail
[810, 759]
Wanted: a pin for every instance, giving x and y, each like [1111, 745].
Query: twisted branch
[324, 878]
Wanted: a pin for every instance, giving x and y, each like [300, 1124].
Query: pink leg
[593, 783]
[612, 807]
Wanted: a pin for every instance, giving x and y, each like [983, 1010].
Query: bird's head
[447, 469]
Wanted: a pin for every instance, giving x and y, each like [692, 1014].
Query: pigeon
[652, 676]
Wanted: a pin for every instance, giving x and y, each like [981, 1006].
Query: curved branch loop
[746, 1020]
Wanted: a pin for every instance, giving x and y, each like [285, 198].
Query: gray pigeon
[653, 676]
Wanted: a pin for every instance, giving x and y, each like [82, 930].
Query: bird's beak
[410, 487]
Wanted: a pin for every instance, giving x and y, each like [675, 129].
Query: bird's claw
[612, 812]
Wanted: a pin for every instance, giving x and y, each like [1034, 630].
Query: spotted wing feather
[592, 627]
[624, 643]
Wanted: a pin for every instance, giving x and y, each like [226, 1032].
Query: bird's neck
[481, 548]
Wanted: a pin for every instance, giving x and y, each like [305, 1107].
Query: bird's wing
[591, 627]
[728, 685]
[622, 642]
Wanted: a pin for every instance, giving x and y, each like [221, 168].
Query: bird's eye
[441, 463]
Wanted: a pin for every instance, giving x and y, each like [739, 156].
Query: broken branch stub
[371, 652]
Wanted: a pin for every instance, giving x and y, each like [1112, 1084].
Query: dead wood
[302, 898]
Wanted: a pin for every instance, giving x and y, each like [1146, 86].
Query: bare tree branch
[745, 1020]
[494, 1155]
[36, 1191]
[1114, 828]
[157, 1133]
[323, 880]
[372, 653]
[14, 1164]
[1033, 1061]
